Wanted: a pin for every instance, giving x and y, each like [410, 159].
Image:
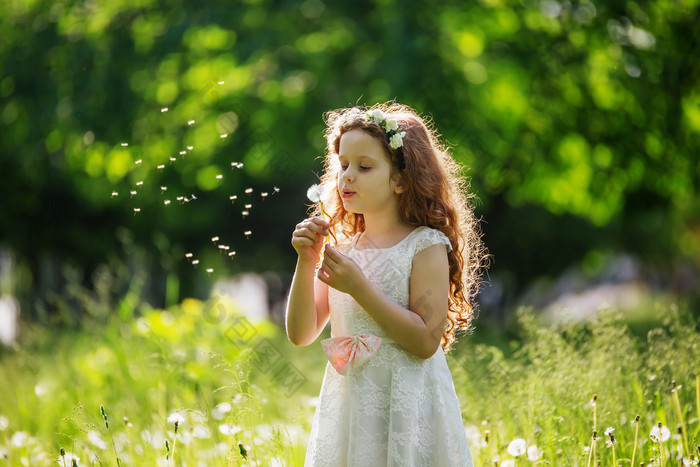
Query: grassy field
[199, 384]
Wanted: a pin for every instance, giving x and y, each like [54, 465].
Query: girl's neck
[384, 230]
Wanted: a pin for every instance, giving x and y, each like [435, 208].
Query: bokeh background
[578, 123]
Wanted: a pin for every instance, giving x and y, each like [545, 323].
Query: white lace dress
[394, 409]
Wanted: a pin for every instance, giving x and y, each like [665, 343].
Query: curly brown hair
[435, 195]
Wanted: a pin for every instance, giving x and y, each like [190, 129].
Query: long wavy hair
[436, 194]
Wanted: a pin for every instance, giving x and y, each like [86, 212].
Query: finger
[333, 254]
[323, 277]
[305, 233]
[320, 222]
[314, 227]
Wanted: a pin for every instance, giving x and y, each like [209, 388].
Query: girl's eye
[344, 166]
[365, 168]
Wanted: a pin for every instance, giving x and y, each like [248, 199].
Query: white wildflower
[533, 453]
[517, 447]
[663, 434]
[377, 115]
[176, 418]
[391, 125]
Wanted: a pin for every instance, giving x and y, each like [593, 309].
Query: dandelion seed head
[517, 447]
[176, 418]
[315, 193]
[533, 453]
[609, 430]
[660, 433]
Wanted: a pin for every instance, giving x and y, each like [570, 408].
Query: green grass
[237, 382]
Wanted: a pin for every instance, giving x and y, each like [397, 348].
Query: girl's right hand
[308, 238]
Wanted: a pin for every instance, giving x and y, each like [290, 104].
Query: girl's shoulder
[424, 236]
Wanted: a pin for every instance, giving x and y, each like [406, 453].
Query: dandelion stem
[614, 456]
[590, 452]
[636, 435]
[679, 414]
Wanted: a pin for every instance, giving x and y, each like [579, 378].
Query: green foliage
[202, 364]
[587, 113]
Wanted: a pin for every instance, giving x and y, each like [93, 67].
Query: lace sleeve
[429, 237]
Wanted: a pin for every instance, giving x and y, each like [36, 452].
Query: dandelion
[180, 198]
[220, 82]
[114, 193]
[190, 122]
[533, 453]
[163, 110]
[277, 190]
[176, 419]
[636, 435]
[316, 193]
[517, 447]
[215, 239]
[138, 162]
[127, 423]
[660, 433]
[95, 438]
[679, 413]
[72, 458]
[194, 197]
[223, 247]
[161, 167]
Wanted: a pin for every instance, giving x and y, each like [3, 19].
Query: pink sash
[349, 352]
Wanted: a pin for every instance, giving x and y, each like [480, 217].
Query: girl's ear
[398, 183]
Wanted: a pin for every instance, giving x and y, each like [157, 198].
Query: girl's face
[365, 181]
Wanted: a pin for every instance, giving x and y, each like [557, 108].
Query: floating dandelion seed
[233, 198]
[248, 191]
[190, 122]
[194, 197]
[609, 430]
[163, 188]
[224, 136]
[188, 255]
[223, 247]
[232, 254]
[138, 162]
[161, 166]
[210, 270]
[180, 198]
[139, 183]
[247, 233]
[136, 210]
[166, 202]
[189, 148]
[195, 262]
[114, 193]
[133, 192]
[182, 153]
[172, 159]
[219, 177]
[215, 239]
[248, 206]
[220, 82]
[244, 213]
[164, 109]
[264, 194]
[125, 145]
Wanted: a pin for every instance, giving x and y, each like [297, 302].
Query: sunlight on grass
[199, 384]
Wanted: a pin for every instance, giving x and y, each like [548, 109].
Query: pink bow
[345, 353]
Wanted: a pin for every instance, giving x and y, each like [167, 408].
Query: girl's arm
[307, 308]
[417, 329]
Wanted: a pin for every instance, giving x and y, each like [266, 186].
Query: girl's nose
[348, 175]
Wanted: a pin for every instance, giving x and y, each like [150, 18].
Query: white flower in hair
[391, 125]
[396, 141]
[377, 115]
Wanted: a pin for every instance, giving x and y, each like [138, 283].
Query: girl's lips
[347, 194]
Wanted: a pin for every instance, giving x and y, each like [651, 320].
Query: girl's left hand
[340, 271]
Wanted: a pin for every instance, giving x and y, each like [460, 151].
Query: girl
[396, 287]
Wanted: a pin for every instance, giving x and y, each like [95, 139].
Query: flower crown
[389, 125]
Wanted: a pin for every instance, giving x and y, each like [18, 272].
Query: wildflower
[67, 458]
[376, 114]
[609, 430]
[517, 447]
[315, 193]
[533, 453]
[396, 141]
[176, 419]
[660, 433]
